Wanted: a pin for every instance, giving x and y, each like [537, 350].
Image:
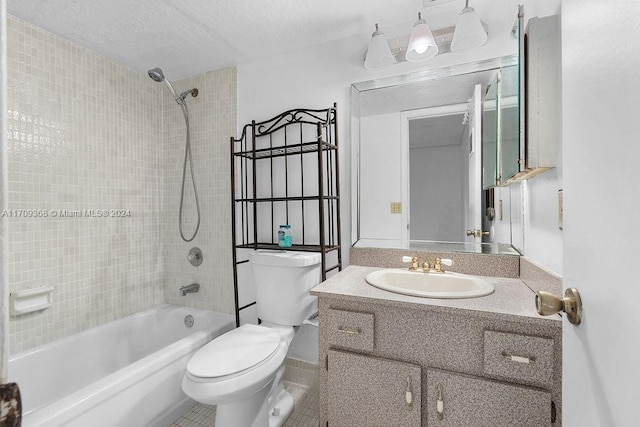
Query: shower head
[156, 74]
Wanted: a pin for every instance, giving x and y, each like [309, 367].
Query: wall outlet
[396, 207]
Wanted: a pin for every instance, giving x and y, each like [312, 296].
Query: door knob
[548, 304]
[477, 233]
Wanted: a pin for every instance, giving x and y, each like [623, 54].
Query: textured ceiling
[193, 36]
[430, 93]
[436, 131]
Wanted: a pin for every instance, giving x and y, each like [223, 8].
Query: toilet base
[249, 412]
[283, 408]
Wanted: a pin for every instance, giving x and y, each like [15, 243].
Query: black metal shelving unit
[271, 166]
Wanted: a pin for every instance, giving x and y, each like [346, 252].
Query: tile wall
[212, 116]
[86, 133]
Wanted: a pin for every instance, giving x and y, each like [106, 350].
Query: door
[474, 210]
[370, 391]
[455, 399]
[601, 148]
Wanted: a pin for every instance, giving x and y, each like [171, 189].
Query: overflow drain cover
[188, 321]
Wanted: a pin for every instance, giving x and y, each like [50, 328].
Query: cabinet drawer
[519, 357]
[349, 329]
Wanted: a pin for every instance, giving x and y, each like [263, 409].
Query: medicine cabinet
[521, 108]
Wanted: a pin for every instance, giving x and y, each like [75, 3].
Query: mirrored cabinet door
[490, 135]
[509, 131]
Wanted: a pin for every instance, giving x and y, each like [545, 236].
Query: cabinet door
[369, 391]
[474, 402]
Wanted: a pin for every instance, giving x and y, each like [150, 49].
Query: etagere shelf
[285, 170]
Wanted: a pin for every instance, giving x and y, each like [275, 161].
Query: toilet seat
[235, 352]
[231, 387]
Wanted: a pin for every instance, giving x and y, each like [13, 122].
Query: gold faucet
[437, 267]
[415, 264]
[426, 267]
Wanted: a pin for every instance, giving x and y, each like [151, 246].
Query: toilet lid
[234, 351]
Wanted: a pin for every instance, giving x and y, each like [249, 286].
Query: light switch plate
[396, 207]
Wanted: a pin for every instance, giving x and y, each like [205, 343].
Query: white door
[474, 212]
[601, 151]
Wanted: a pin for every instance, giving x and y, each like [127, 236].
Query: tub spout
[189, 289]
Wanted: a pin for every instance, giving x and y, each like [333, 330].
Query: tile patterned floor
[305, 413]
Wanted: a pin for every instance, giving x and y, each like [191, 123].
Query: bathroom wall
[213, 120]
[378, 189]
[84, 133]
[317, 77]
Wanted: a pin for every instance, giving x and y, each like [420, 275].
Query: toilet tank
[283, 280]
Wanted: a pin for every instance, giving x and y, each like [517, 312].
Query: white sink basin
[430, 285]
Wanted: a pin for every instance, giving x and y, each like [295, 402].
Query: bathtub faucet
[189, 289]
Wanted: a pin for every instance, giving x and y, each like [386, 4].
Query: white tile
[86, 133]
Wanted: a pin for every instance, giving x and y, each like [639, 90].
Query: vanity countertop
[511, 297]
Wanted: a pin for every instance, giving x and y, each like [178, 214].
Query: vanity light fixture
[378, 54]
[422, 45]
[469, 31]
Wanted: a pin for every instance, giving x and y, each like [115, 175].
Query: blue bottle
[285, 239]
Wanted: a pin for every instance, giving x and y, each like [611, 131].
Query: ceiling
[429, 93]
[194, 36]
[436, 131]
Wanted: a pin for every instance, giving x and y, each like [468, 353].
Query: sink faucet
[426, 268]
[415, 264]
[189, 289]
[437, 267]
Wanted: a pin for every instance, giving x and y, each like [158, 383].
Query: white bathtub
[124, 373]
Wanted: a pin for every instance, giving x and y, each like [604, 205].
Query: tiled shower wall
[212, 116]
[86, 133]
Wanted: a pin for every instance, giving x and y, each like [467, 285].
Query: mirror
[414, 145]
[501, 129]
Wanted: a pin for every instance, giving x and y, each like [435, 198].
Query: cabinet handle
[440, 403]
[408, 394]
[516, 358]
[351, 331]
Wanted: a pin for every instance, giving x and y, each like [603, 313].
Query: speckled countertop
[511, 297]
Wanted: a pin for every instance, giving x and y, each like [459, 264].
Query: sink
[430, 285]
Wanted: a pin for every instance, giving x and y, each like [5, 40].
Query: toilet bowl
[238, 372]
[242, 371]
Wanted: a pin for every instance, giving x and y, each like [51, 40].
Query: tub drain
[188, 320]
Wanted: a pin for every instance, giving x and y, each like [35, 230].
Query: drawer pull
[518, 359]
[351, 331]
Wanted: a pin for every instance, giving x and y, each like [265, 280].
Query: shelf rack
[285, 170]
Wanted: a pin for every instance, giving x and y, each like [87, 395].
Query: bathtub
[124, 373]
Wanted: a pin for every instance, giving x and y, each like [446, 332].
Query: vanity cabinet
[461, 367]
[369, 391]
[473, 401]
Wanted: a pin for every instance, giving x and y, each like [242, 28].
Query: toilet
[242, 371]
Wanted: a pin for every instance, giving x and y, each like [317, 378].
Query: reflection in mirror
[509, 128]
[415, 148]
[490, 135]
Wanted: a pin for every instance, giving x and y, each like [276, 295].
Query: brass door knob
[548, 304]
[477, 233]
